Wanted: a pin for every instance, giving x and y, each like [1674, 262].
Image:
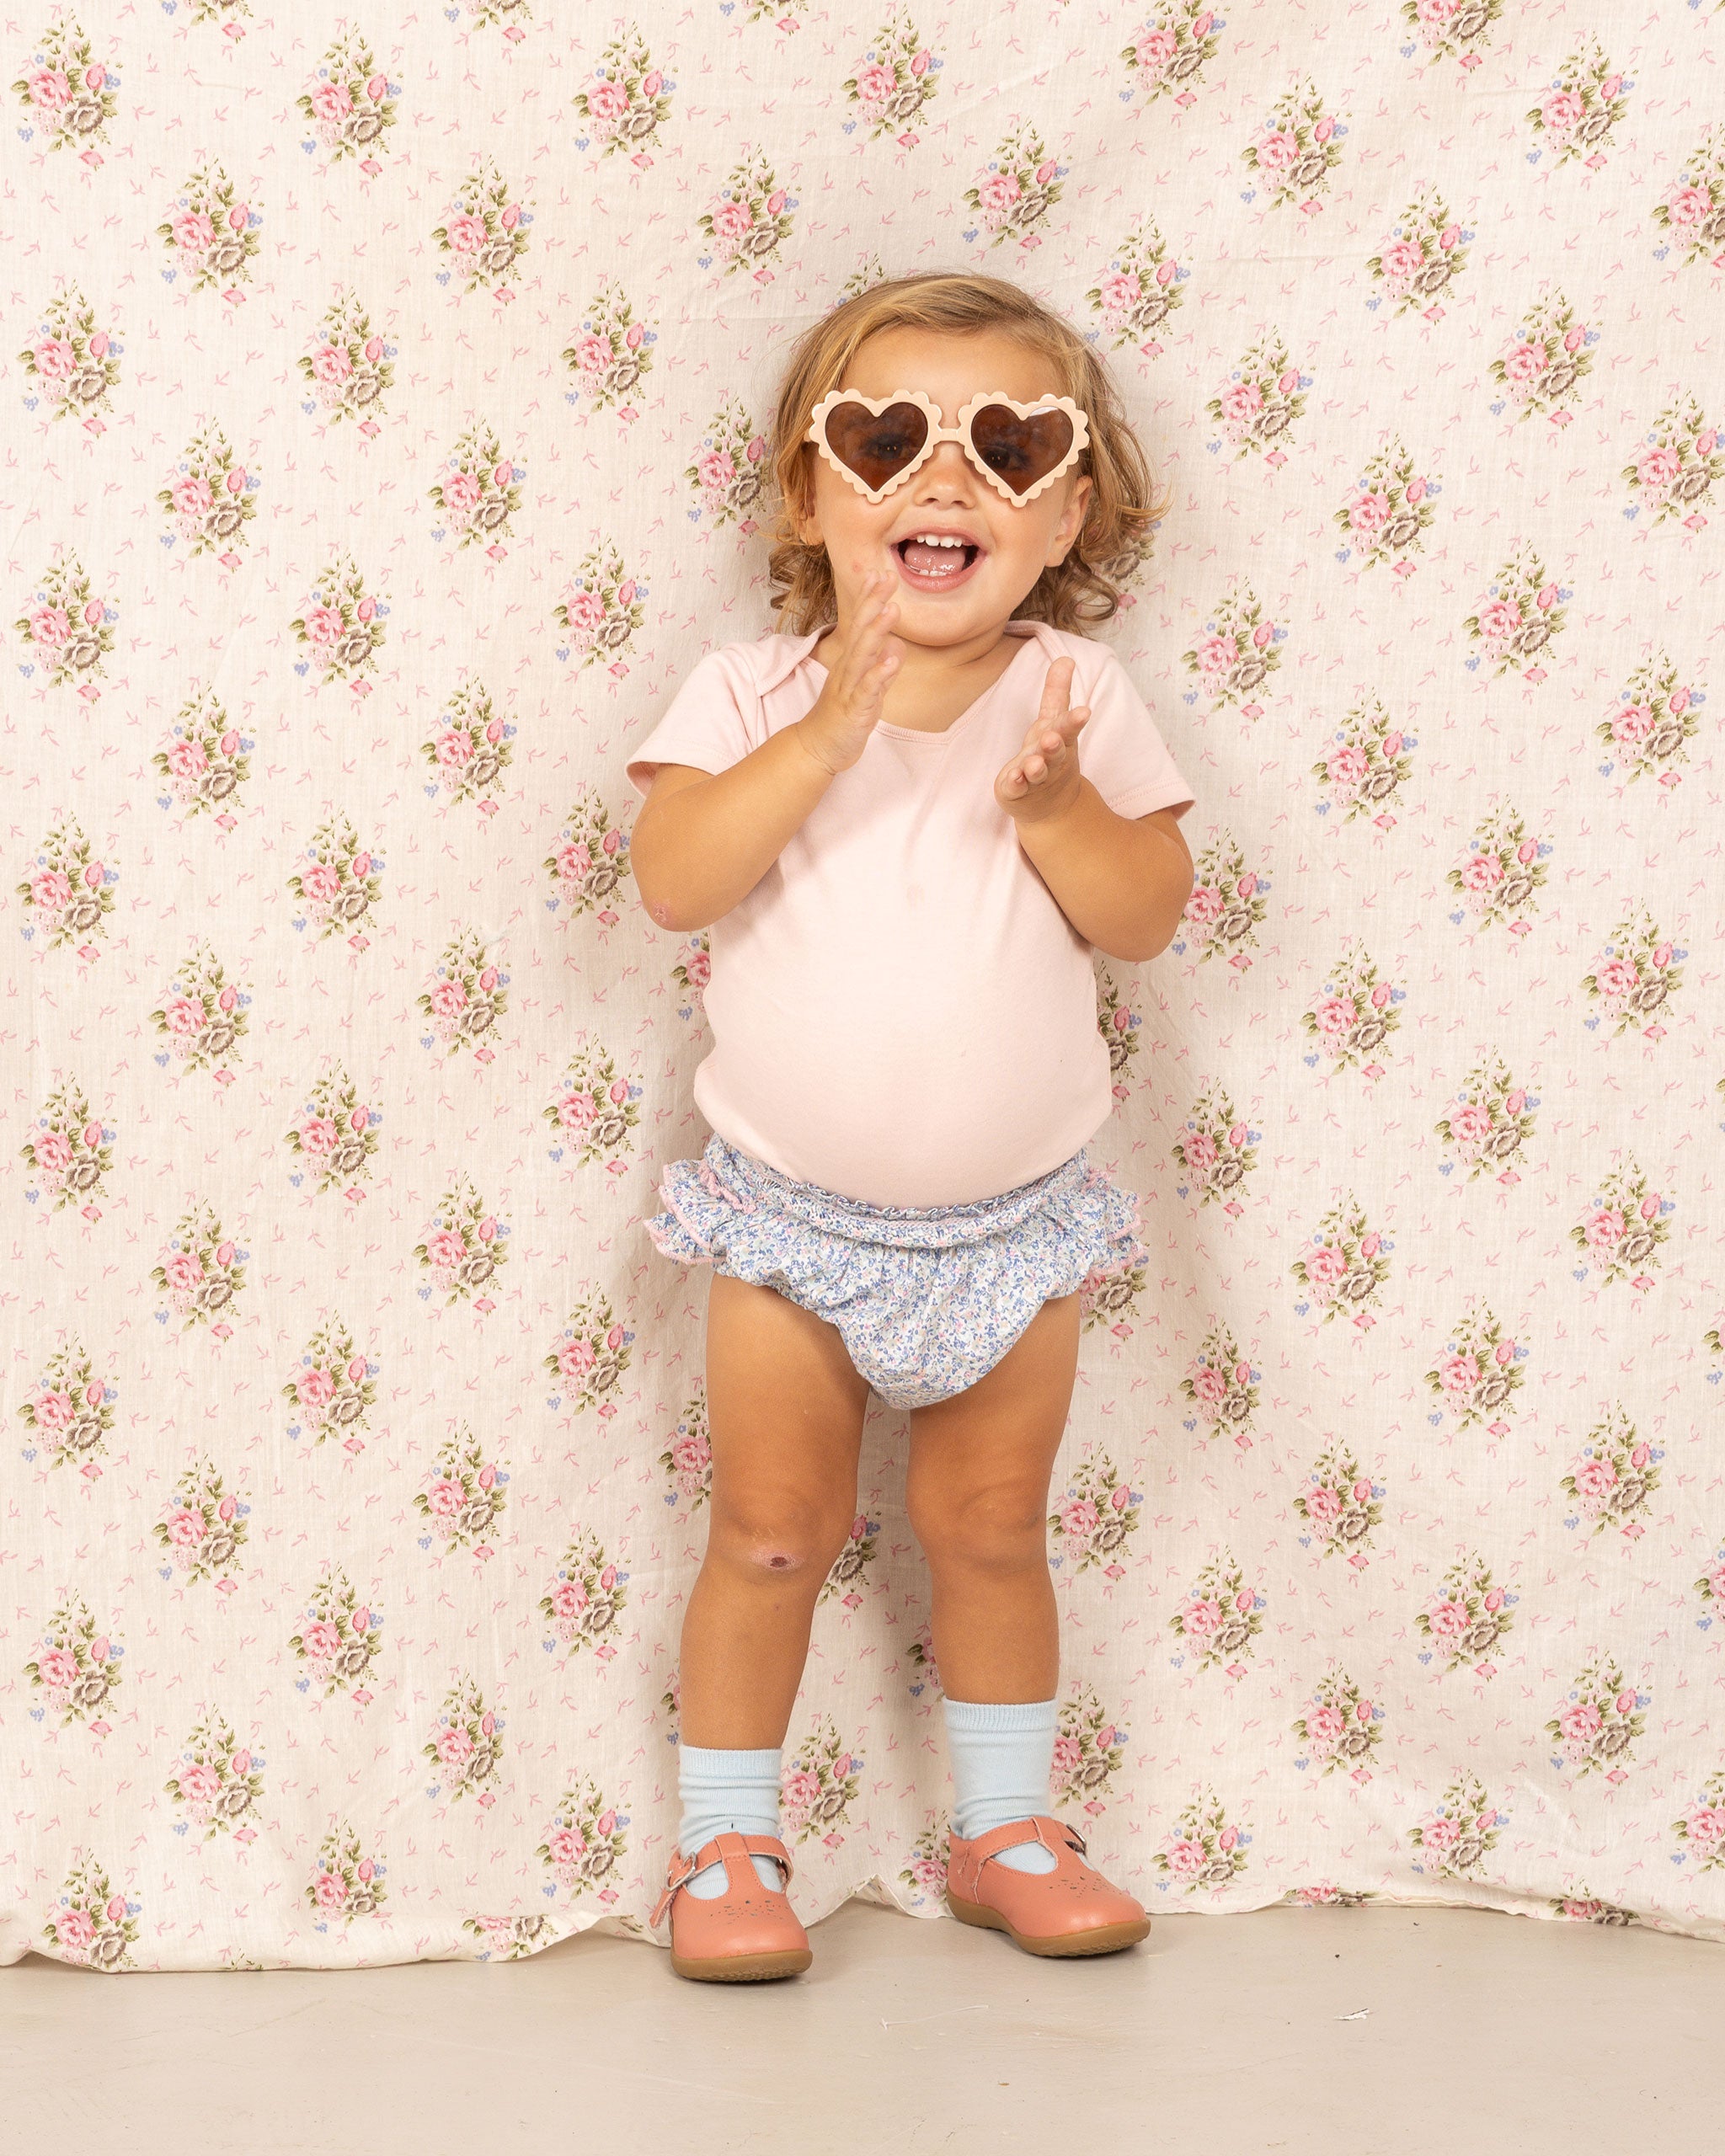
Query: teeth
[937, 539]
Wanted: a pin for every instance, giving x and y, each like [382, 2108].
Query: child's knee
[785, 1553]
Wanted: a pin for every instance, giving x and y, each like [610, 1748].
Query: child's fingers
[874, 666]
[868, 599]
[1056, 689]
[1051, 747]
[1036, 764]
[876, 658]
[876, 630]
[878, 610]
[1055, 734]
[874, 627]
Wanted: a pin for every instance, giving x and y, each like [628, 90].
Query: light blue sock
[722, 1791]
[1002, 1756]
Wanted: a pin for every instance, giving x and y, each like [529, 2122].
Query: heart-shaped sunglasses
[877, 443]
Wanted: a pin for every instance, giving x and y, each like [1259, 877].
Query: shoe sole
[1100, 1939]
[746, 1968]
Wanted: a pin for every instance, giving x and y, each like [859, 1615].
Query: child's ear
[1071, 521]
[802, 507]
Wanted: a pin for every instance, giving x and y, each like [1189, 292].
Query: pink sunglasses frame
[938, 433]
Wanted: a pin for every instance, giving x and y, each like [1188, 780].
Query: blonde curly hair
[1123, 505]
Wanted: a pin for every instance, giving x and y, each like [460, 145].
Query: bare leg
[785, 1408]
[977, 1492]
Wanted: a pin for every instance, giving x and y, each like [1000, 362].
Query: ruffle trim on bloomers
[928, 1299]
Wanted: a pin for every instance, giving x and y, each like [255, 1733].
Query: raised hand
[837, 726]
[1042, 779]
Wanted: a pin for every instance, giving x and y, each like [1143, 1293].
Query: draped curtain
[384, 428]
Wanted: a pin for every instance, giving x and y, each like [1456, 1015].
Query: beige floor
[1355, 2032]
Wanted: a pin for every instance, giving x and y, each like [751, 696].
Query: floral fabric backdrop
[384, 413]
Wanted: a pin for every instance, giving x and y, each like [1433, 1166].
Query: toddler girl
[909, 817]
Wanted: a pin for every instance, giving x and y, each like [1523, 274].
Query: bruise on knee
[781, 1562]
[785, 1551]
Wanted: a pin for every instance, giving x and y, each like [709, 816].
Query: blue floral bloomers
[928, 1299]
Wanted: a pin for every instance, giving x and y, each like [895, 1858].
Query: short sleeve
[1120, 750]
[705, 723]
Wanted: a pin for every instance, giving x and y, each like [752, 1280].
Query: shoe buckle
[683, 1868]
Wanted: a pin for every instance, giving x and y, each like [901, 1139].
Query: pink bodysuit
[901, 1012]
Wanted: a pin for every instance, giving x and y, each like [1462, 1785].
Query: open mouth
[935, 568]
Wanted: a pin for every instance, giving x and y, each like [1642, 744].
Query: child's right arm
[703, 840]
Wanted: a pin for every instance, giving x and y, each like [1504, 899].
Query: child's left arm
[1123, 882]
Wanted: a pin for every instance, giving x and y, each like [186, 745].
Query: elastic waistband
[739, 1179]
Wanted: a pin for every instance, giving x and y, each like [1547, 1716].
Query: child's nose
[948, 463]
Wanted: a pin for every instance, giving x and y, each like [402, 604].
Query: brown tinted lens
[1021, 451]
[875, 446]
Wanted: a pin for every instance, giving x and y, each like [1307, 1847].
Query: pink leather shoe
[746, 1934]
[1070, 1910]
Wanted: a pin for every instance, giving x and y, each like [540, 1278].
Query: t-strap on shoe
[1070, 1910]
[743, 1935]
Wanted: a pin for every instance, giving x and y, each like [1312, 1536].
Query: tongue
[935, 559]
